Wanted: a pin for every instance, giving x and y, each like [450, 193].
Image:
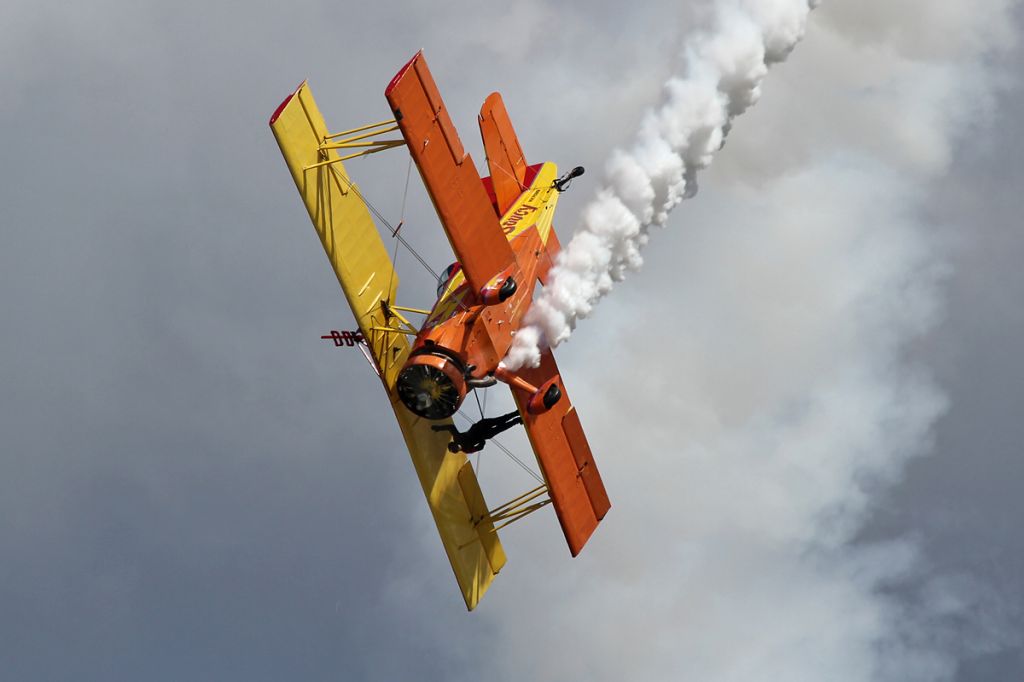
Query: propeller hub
[431, 385]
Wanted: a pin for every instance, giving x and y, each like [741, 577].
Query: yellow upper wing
[366, 275]
[342, 221]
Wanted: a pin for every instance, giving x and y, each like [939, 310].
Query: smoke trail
[722, 78]
[751, 444]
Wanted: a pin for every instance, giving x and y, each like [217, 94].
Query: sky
[805, 404]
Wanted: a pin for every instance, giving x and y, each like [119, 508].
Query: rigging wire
[394, 263]
[515, 177]
[385, 221]
[405, 194]
[518, 461]
[395, 230]
[476, 394]
[508, 452]
[401, 221]
[478, 405]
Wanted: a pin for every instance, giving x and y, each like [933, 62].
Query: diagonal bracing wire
[508, 452]
[401, 221]
[385, 221]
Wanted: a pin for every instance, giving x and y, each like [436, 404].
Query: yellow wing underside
[365, 272]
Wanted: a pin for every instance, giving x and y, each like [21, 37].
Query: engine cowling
[432, 385]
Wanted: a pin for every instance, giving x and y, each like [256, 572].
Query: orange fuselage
[465, 338]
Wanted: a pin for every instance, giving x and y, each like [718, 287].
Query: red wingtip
[401, 72]
[282, 105]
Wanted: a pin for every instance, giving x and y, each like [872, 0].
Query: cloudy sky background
[805, 407]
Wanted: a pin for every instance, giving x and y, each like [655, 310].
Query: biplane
[500, 229]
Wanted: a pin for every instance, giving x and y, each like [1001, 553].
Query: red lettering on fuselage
[509, 226]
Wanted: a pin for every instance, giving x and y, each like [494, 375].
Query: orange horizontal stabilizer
[449, 174]
[505, 157]
[574, 483]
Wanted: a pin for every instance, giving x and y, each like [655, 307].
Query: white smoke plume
[747, 436]
[724, 69]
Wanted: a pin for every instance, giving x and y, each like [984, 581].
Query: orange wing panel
[448, 172]
[505, 157]
[574, 483]
[577, 441]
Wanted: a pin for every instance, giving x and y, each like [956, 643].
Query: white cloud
[749, 393]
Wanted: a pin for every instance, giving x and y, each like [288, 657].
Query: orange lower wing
[574, 483]
[449, 174]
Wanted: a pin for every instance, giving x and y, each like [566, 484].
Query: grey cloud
[193, 486]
